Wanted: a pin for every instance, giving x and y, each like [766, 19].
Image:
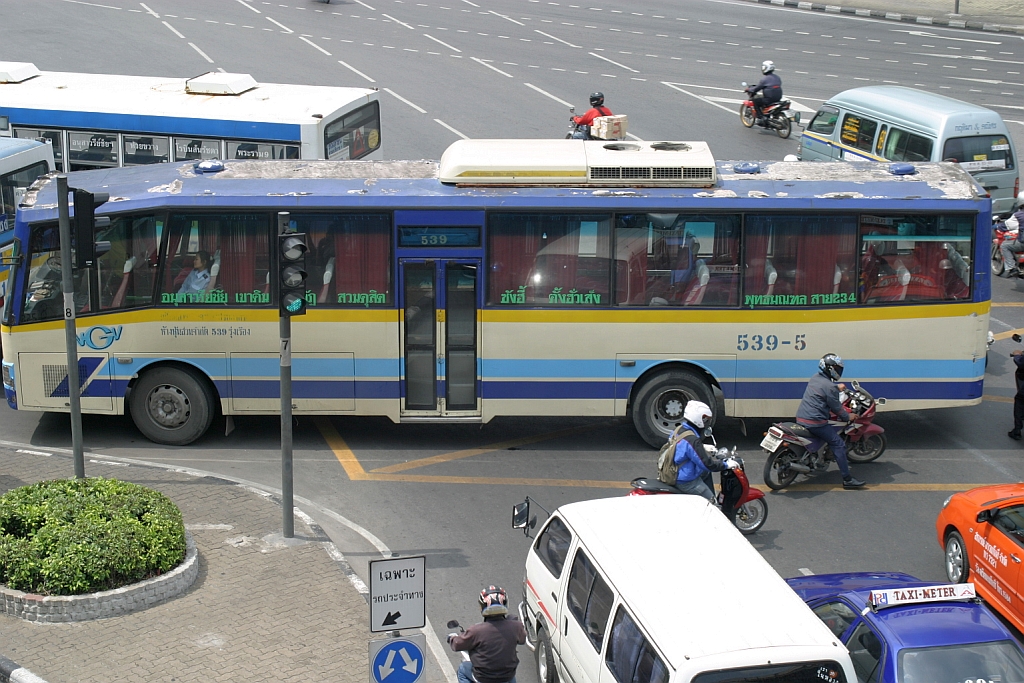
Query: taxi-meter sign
[907, 596]
[397, 594]
[397, 660]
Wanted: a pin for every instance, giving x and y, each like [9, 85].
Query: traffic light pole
[287, 503]
[70, 331]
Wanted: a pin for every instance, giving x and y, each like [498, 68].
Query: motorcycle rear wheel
[783, 126]
[750, 517]
[777, 473]
[747, 115]
[997, 261]
[867, 449]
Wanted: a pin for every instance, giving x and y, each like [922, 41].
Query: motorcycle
[776, 116]
[792, 450]
[453, 623]
[575, 128]
[1004, 231]
[742, 504]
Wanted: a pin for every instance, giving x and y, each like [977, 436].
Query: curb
[895, 16]
[12, 673]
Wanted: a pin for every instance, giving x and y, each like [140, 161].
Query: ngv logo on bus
[100, 337]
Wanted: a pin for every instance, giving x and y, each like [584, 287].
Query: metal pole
[956, 6]
[70, 331]
[283, 226]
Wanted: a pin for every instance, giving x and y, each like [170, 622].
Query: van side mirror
[985, 516]
[1015, 337]
[521, 517]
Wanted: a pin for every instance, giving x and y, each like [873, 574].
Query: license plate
[770, 442]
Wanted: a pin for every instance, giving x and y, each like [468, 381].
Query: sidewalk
[260, 610]
[983, 15]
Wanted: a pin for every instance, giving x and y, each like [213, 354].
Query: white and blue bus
[103, 121]
[513, 277]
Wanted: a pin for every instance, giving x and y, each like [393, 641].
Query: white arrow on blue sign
[397, 660]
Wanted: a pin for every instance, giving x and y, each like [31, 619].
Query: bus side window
[44, 299]
[14, 184]
[217, 259]
[126, 272]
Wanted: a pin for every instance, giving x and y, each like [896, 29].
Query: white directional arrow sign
[410, 663]
[385, 669]
[397, 660]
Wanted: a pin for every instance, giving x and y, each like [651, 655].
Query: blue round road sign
[400, 661]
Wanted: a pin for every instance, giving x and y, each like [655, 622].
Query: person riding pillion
[695, 462]
[1009, 249]
[820, 401]
[597, 109]
[492, 643]
[768, 90]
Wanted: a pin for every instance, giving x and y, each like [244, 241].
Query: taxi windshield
[998, 662]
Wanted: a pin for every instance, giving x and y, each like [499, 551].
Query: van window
[824, 121]
[552, 545]
[979, 152]
[590, 599]
[880, 142]
[630, 658]
[904, 146]
[858, 132]
[808, 672]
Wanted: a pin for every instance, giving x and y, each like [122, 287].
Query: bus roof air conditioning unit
[16, 72]
[592, 163]
[218, 83]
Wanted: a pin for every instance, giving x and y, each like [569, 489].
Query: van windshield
[980, 153]
[797, 672]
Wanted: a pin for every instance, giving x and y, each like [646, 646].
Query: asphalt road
[495, 69]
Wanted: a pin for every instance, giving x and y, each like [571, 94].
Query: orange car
[982, 533]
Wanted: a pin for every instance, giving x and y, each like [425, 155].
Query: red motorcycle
[1004, 231]
[792, 450]
[742, 504]
[776, 116]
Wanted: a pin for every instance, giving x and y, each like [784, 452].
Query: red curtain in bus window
[513, 250]
[756, 249]
[362, 260]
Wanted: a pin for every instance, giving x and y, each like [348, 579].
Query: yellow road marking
[1007, 304]
[500, 446]
[997, 399]
[344, 454]
[1008, 334]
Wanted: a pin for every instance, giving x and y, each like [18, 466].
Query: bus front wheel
[171, 406]
[659, 404]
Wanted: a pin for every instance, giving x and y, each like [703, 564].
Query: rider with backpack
[695, 464]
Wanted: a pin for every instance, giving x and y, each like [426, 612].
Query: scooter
[792, 450]
[742, 504]
[453, 623]
[776, 116]
[1004, 231]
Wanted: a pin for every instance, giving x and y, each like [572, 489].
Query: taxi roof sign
[908, 596]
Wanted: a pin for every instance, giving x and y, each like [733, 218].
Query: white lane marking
[356, 71]
[926, 34]
[442, 42]
[307, 40]
[365, 5]
[548, 35]
[1012, 121]
[638, 139]
[696, 96]
[805, 571]
[209, 527]
[388, 16]
[149, 10]
[613, 62]
[92, 4]
[547, 94]
[983, 80]
[280, 24]
[493, 68]
[402, 99]
[469, 3]
[203, 54]
[506, 17]
[796, 106]
[173, 30]
[464, 137]
[25, 450]
[243, 2]
[112, 464]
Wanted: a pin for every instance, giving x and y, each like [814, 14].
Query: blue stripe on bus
[889, 390]
[265, 388]
[167, 125]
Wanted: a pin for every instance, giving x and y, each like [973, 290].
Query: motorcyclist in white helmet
[695, 462]
[768, 90]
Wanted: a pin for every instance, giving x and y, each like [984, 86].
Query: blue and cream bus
[513, 277]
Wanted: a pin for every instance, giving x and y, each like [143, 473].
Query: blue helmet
[831, 365]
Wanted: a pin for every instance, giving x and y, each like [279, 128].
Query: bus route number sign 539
[770, 342]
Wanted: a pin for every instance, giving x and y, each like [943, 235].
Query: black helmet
[493, 602]
[596, 99]
[831, 366]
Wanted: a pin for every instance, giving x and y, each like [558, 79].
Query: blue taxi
[900, 629]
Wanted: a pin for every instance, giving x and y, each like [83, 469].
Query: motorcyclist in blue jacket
[768, 90]
[694, 461]
[821, 399]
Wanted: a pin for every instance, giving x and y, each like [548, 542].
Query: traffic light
[291, 252]
[86, 225]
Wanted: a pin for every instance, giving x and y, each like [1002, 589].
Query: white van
[893, 123]
[663, 589]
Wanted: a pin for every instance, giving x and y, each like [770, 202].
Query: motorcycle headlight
[946, 502]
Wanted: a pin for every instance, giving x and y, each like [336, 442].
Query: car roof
[668, 556]
[929, 624]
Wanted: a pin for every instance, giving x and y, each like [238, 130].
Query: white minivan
[663, 589]
[894, 123]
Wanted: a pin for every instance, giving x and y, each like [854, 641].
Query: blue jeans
[698, 487]
[1009, 250]
[830, 435]
[465, 673]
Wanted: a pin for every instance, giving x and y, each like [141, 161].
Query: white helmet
[696, 413]
[767, 66]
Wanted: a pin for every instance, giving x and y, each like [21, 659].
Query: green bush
[73, 536]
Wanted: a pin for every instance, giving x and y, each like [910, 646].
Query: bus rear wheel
[658, 405]
[171, 406]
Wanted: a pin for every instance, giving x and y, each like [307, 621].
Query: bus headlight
[8, 375]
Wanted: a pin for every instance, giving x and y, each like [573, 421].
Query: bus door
[440, 336]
